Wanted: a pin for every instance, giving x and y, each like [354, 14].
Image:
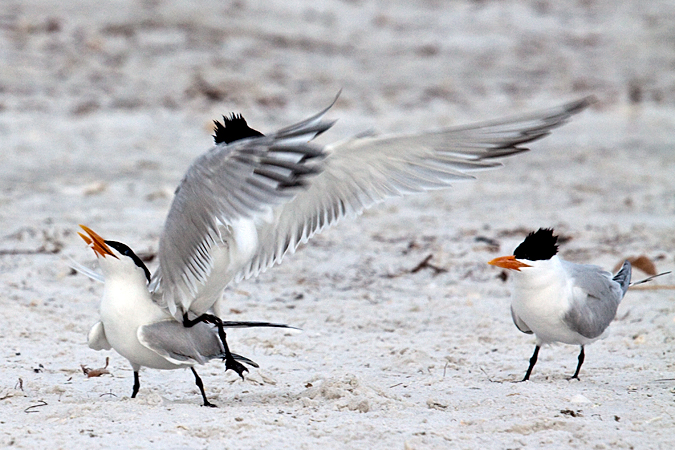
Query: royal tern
[138, 329]
[560, 301]
[252, 199]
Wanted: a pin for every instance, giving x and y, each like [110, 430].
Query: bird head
[113, 256]
[540, 245]
[232, 129]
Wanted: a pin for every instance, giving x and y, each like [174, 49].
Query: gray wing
[181, 345]
[276, 183]
[361, 172]
[596, 298]
[228, 183]
[522, 326]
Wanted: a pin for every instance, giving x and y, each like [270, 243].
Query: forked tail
[623, 276]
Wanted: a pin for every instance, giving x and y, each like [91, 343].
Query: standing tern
[253, 198]
[139, 329]
[560, 301]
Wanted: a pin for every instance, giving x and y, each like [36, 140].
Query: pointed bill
[97, 242]
[508, 262]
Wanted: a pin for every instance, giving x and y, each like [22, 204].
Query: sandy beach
[104, 106]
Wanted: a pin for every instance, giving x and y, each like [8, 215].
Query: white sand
[104, 105]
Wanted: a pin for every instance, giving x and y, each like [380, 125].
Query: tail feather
[243, 359]
[238, 324]
[623, 276]
[648, 279]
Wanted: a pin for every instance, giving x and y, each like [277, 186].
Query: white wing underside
[96, 339]
[342, 180]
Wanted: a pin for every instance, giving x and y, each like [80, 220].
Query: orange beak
[508, 262]
[97, 243]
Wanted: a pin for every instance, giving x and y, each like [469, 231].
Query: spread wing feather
[291, 190]
[228, 183]
[361, 172]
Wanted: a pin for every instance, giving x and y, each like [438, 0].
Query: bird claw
[231, 364]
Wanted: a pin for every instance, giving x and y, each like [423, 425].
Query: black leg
[200, 385]
[137, 385]
[582, 355]
[230, 363]
[208, 318]
[533, 361]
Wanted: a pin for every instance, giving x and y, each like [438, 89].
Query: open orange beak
[97, 243]
[508, 262]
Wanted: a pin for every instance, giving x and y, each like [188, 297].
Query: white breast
[541, 297]
[240, 242]
[125, 307]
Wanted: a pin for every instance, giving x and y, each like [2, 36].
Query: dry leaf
[641, 262]
[90, 373]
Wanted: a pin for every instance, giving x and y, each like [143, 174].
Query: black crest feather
[538, 245]
[233, 129]
[126, 251]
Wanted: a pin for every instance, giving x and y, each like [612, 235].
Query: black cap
[538, 245]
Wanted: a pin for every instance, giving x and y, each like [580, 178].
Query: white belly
[228, 260]
[543, 309]
[124, 309]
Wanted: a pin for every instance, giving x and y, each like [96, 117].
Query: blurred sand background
[103, 105]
